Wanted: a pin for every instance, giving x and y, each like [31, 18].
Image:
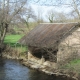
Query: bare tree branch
[7, 14]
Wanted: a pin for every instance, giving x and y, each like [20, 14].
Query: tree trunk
[3, 30]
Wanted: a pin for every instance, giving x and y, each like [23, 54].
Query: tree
[39, 17]
[27, 14]
[9, 9]
[50, 16]
[60, 17]
[73, 5]
[54, 16]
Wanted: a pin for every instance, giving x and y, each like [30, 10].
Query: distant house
[52, 42]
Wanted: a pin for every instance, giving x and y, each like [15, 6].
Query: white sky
[44, 9]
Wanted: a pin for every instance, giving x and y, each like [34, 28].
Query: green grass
[74, 62]
[73, 65]
[12, 40]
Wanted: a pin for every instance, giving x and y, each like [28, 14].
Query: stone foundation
[41, 61]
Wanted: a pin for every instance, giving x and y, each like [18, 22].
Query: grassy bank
[12, 41]
[73, 65]
[72, 68]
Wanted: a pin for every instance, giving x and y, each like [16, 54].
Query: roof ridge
[60, 23]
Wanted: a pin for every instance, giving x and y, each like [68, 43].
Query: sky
[45, 5]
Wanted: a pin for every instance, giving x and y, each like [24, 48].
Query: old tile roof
[47, 34]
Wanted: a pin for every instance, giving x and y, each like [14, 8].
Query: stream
[14, 70]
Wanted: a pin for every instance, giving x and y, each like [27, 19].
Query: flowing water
[13, 70]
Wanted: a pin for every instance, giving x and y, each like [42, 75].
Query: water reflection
[2, 70]
[13, 70]
[36, 75]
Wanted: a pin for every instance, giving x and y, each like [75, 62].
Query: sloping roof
[47, 34]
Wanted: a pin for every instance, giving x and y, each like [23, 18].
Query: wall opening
[47, 54]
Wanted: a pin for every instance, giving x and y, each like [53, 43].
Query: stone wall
[41, 62]
[70, 47]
